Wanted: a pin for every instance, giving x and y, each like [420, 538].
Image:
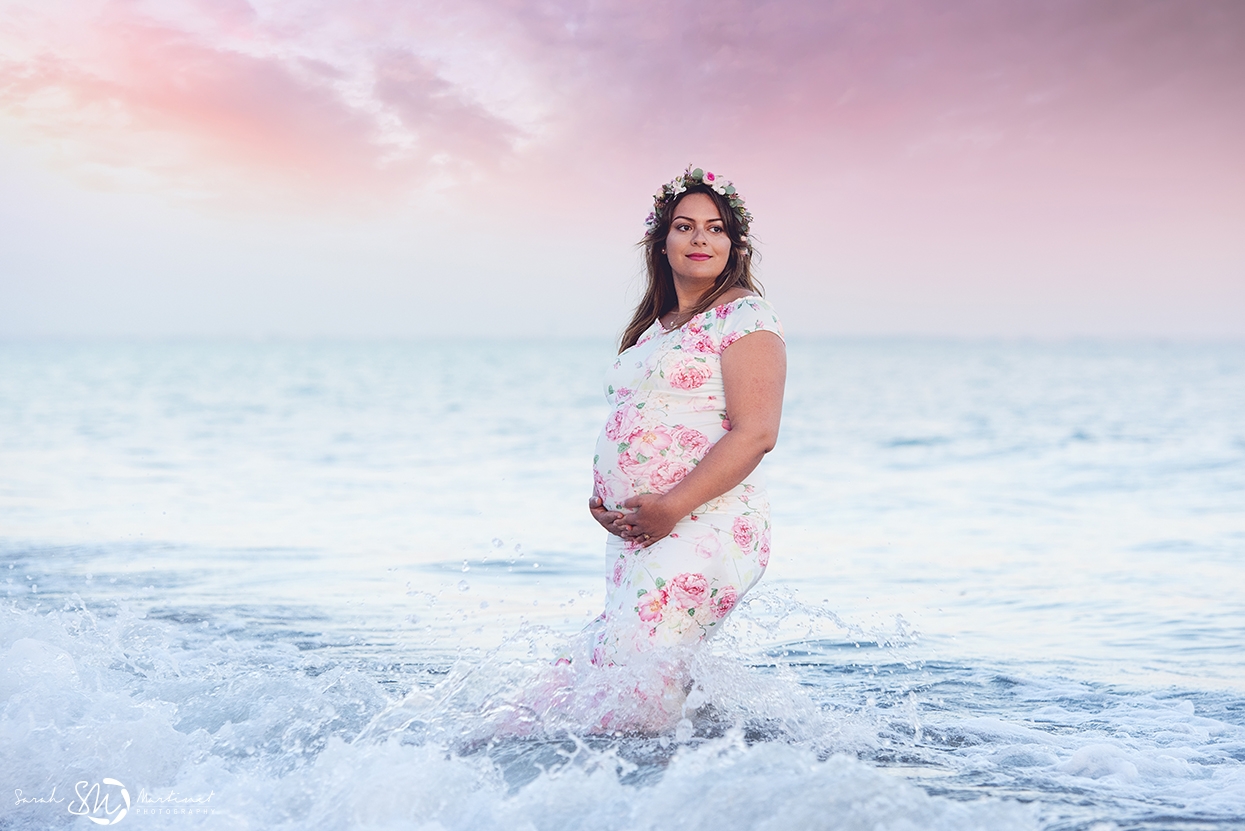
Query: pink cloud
[376, 98]
[238, 103]
[949, 151]
[430, 106]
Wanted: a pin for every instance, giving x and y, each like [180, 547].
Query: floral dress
[669, 410]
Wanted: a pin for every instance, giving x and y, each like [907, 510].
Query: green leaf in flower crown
[730, 190]
[698, 174]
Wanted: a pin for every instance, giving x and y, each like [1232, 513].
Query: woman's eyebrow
[689, 219]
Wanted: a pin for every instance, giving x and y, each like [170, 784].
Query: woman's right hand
[607, 518]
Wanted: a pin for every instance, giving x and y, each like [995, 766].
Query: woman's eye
[717, 229]
[683, 226]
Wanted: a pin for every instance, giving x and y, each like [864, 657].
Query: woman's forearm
[726, 464]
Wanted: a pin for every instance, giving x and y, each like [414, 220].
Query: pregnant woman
[696, 393]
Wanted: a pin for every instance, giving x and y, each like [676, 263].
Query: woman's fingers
[634, 525]
[637, 502]
[608, 519]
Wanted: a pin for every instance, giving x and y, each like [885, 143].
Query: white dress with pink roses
[669, 410]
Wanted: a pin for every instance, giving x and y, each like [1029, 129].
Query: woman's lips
[698, 257]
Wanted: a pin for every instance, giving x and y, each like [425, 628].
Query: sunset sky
[483, 167]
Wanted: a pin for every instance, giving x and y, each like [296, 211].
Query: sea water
[278, 586]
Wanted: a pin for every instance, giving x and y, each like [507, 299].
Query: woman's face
[697, 244]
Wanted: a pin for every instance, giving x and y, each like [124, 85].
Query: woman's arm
[754, 371]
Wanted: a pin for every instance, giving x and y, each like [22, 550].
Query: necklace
[674, 321]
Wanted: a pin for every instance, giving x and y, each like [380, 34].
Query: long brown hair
[659, 296]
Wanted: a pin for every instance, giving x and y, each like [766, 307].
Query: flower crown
[670, 191]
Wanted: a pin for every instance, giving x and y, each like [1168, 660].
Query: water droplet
[535, 565]
[497, 543]
[483, 604]
[463, 586]
[466, 567]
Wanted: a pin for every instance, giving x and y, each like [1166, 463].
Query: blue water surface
[285, 585]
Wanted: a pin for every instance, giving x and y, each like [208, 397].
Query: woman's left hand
[649, 519]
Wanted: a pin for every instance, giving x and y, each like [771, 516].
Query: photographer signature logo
[100, 801]
[107, 802]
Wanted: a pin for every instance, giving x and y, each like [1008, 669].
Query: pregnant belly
[652, 458]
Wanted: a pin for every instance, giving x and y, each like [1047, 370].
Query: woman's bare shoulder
[733, 294]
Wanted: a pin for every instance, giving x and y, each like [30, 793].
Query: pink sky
[1044, 169]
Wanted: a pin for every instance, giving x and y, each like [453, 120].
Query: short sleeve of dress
[743, 317]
